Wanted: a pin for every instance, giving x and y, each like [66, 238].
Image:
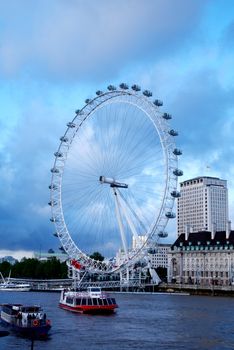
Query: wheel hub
[112, 182]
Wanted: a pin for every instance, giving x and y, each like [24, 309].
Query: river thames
[142, 321]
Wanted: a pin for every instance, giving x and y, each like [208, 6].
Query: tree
[97, 256]
[5, 268]
[33, 268]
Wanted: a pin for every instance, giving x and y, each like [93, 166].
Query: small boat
[8, 286]
[29, 321]
[14, 287]
[92, 301]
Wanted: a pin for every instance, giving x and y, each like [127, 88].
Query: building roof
[202, 177]
[203, 238]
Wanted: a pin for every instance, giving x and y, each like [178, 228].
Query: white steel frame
[168, 146]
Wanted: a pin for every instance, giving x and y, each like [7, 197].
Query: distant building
[160, 258]
[47, 256]
[203, 205]
[205, 258]
[138, 241]
[9, 259]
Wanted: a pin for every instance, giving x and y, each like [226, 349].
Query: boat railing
[29, 321]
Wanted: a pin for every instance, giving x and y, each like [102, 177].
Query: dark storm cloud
[25, 166]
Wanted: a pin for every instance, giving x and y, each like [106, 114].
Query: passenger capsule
[52, 203]
[162, 234]
[173, 132]
[166, 116]
[99, 92]
[152, 251]
[77, 111]
[178, 172]
[71, 125]
[123, 86]
[55, 234]
[147, 93]
[158, 103]
[54, 170]
[64, 139]
[175, 194]
[111, 87]
[53, 187]
[88, 100]
[136, 87]
[170, 215]
[177, 152]
[58, 154]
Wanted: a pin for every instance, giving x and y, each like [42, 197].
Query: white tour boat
[9, 286]
[92, 301]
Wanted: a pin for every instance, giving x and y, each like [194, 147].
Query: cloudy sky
[55, 54]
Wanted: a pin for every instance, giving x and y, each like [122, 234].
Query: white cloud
[17, 254]
[79, 38]
[43, 211]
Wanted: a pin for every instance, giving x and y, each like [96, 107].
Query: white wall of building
[203, 203]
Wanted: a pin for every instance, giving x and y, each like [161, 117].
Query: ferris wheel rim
[90, 107]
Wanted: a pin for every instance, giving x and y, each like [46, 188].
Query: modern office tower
[203, 205]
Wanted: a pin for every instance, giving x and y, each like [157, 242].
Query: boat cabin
[89, 301]
[16, 309]
[94, 292]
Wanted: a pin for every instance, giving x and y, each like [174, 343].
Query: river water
[142, 321]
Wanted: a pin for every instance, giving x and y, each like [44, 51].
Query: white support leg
[129, 221]
[123, 238]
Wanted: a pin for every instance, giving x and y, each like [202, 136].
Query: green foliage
[35, 269]
[97, 256]
[5, 268]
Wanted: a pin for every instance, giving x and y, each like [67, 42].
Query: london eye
[114, 178]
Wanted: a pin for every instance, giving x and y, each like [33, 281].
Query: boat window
[89, 301]
[113, 301]
[109, 301]
[83, 301]
[78, 300]
[95, 301]
[14, 312]
[92, 289]
[104, 301]
[30, 309]
[100, 301]
[7, 309]
[69, 300]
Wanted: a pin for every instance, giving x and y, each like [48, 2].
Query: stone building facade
[203, 258]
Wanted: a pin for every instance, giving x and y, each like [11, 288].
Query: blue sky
[54, 54]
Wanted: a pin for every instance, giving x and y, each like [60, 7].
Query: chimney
[188, 230]
[228, 229]
[213, 231]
